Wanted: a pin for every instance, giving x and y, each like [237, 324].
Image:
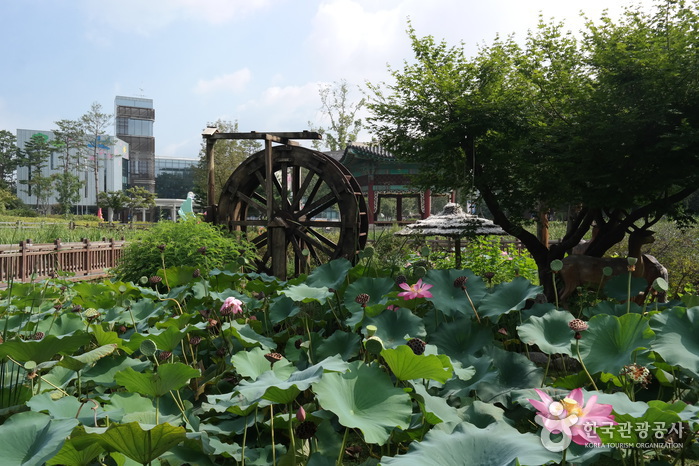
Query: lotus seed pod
[660, 285]
[425, 251]
[148, 348]
[369, 251]
[607, 271]
[556, 265]
[631, 260]
[419, 272]
[143, 280]
[374, 345]
[371, 330]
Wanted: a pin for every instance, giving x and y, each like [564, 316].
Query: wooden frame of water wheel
[298, 206]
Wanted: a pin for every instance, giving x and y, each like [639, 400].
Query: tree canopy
[344, 125]
[607, 122]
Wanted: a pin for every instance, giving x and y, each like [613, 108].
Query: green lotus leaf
[613, 309]
[393, 326]
[31, 438]
[103, 372]
[247, 336]
[169, 339]
[470, 371]
[269, 387]
[306, 294]
[376, 288]
[104, 337]
[282, 308]
[66, 408]
[253, 363]
[483, 414]
[550, 332]
[435, 408]
[468, 445]
[364, 398]
[134, 442]
[171, 376]
[65, 324]
[406, 365]
[506, 297]
[69, 455]
[121, 404]
[612, 342]
[450, 300]
[618, 287]
[462, 337]
[79, 361]
[676, 337]
[659, 417]
[44, 349]
[514, 371]
[329, 275]
[177, 276]
[344, 344]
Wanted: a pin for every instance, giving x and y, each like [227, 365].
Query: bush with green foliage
[184, 243]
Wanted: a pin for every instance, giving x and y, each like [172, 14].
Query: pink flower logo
[572, 417]
[232, 306]
[418, 290]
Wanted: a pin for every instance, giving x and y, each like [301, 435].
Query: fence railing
[28, 261]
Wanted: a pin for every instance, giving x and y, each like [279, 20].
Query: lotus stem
[245, 438]
[577, 350]
[271, 426]
[291, 435]
[472, 305]
[342, 448]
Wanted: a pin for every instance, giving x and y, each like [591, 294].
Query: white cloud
[148, 17]
[233, 82]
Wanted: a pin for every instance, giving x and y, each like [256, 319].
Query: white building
[112, 175]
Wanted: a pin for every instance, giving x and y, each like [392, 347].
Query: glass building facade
[174, 177]
[134, 120]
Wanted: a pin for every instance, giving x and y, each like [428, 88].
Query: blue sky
[259, 62]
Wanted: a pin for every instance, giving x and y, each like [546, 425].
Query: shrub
[186, 243]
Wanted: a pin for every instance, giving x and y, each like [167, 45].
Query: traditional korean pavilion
[383, 176]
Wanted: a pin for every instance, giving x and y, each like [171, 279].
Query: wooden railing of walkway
[27, 261]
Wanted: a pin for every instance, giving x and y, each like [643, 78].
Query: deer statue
[587, 271]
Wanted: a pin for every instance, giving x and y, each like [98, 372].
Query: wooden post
[86, 259]
[211, 189]
[457, 252]
[23, 261]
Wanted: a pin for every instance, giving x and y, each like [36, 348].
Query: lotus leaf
[171, 376]
[31, 438]
[612, 342]
[406, 365]
[676, 338]
[468, 445]
[364, 398]
[549, 332]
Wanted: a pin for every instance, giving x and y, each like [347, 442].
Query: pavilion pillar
[399, 207]
[372, 201]
[427, 210]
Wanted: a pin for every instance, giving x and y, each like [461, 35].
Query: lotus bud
[301, 414]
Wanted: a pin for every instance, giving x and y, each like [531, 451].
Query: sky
[258, 62]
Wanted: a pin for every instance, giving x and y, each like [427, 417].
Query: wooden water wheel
[298, 206]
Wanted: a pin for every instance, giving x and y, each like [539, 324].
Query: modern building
[134, 120]
[112, 154]
[174, 177]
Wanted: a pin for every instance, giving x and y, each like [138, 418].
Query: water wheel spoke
[314, 254]
[313, 241]
[321, 237]
[314, 191]
[256, 201]
[260, 240]
[313, 209]
[298, 195]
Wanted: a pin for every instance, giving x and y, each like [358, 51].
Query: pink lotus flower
[572, 417]
[232, 306]
[418, 290]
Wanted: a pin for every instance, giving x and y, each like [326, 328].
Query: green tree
[95, 124]
[608, 123]
[344, 126]
[34, 157]
[8, 158]
[113, 201]
[69, 142]
[139, 198]
[228, 154]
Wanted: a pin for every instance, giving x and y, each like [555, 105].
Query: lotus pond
[342, 367]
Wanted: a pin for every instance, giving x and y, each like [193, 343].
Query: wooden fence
[30, 262]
